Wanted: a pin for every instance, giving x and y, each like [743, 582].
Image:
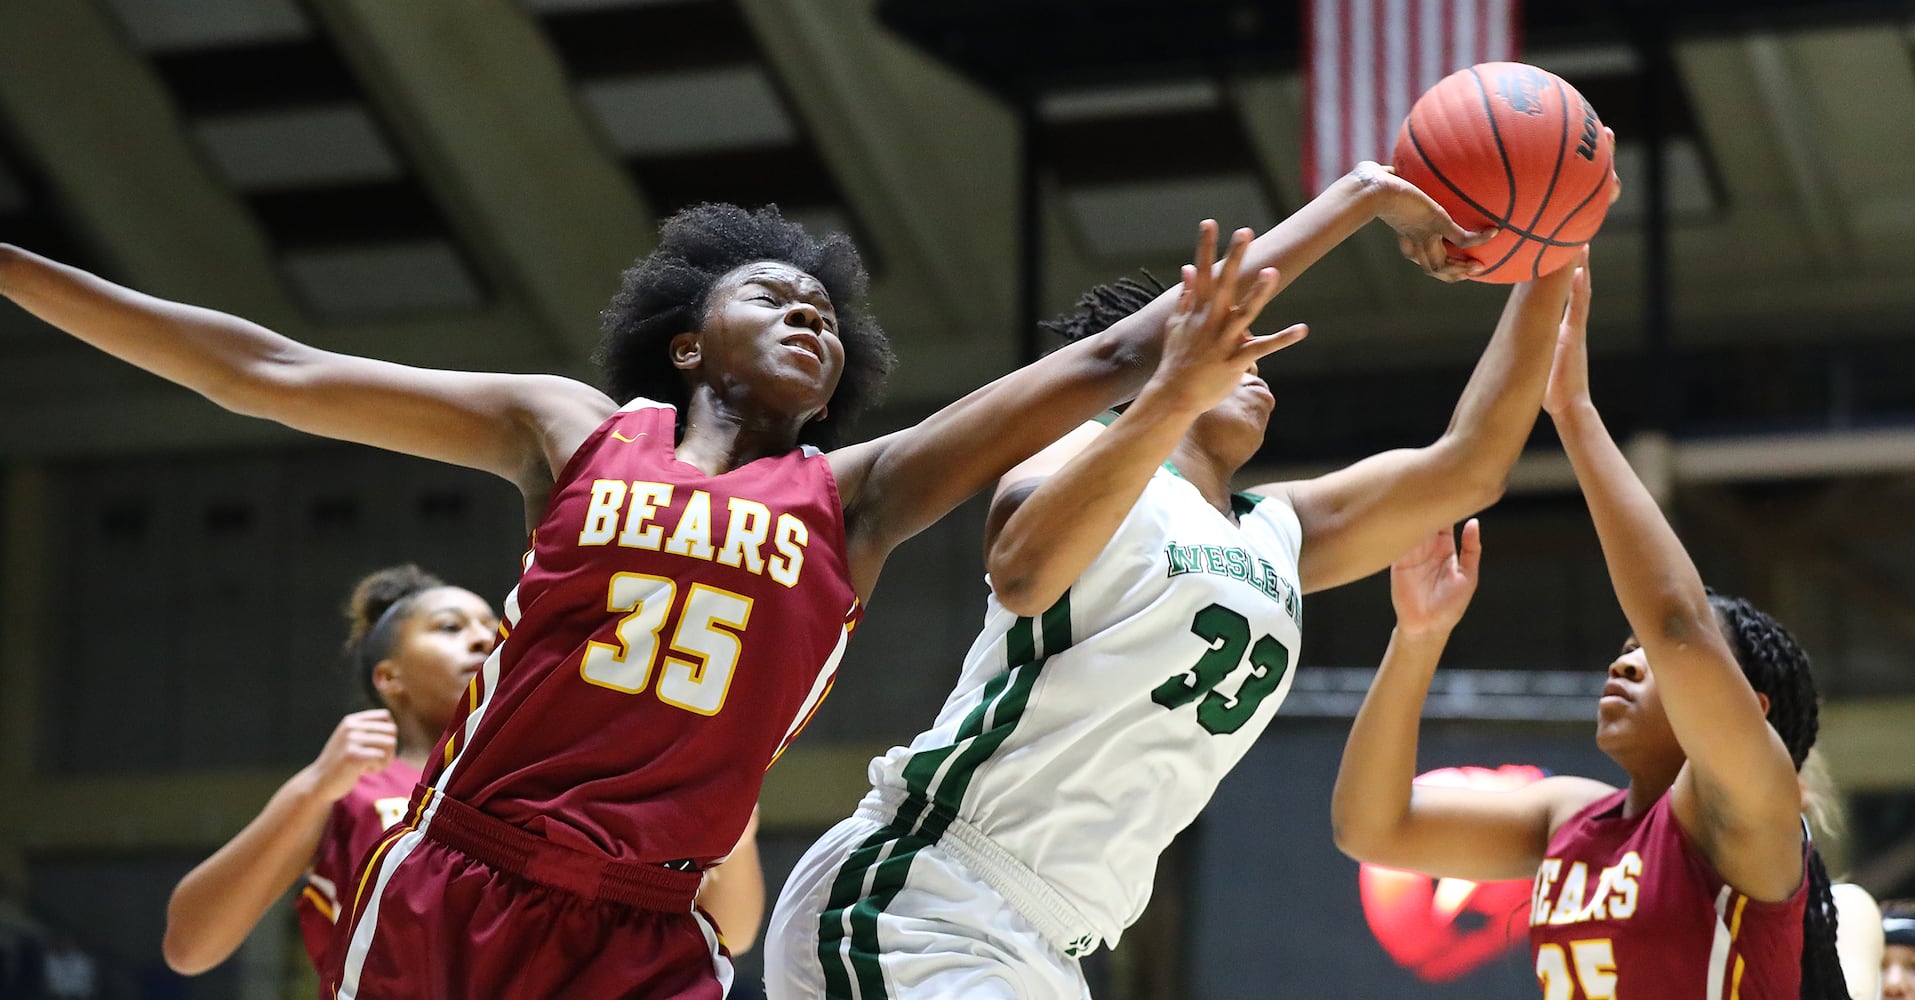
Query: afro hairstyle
[668, 291]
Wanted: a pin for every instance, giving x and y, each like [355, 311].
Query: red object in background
[1444, 929]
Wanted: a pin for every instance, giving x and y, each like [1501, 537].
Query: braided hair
[1103, 305]
[1776, 665]
[380, 602]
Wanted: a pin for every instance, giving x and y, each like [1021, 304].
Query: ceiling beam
[1803, 149]
[92, 112]
[485, 110]
[1858, 85]
[926, 162]
[1270, 108]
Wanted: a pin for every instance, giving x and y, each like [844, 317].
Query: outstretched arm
[1377, 813]
[220, 901]
[897, 485]
[521, 427]
[1738, 796]
[1357, 519]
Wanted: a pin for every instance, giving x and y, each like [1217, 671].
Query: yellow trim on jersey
[1735, 922]
[1735, 989]
[822, 695]
[372, 864]
[318, 899]
[379, 852]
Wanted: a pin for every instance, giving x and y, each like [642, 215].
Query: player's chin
[1253, 405]
[1613, 733]
[798, 388]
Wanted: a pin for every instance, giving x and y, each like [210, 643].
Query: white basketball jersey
[1083, 740]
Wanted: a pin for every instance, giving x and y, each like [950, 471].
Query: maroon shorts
[465, 905]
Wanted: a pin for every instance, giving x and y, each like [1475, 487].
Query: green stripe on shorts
[848, 946]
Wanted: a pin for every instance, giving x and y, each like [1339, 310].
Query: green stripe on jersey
[875, 872]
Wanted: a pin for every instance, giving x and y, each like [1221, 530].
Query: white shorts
[867, 915]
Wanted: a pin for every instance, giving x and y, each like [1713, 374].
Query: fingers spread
[1261, 347]
[1233, 261]
[1206, 258]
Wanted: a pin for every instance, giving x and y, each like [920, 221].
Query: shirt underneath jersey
[1082, 740]
[1629, 907]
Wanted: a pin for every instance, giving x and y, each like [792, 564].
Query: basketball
[1511, 146]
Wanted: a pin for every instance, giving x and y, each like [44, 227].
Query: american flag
[1367, 61]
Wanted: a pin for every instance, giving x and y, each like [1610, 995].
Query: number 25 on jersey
[695, 670]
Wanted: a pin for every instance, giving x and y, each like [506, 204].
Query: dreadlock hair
[1776, 665]
[668, 292]
[1104, 305]
[380, 602]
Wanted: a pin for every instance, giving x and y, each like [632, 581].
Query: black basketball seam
[1509, 174]
[1562, 147]
[1500, 223]
[1602, 181]
[1497, 135]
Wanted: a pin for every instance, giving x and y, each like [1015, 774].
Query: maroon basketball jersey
[377, 801]
[671, 633]
[1629, 907]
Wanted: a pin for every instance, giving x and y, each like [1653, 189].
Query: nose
[482, 639]
[1251, 368]
[1625, 669]
[806, 315]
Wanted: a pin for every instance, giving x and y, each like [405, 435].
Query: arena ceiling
[459, 182]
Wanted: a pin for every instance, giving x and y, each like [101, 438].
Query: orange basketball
[1511, 146]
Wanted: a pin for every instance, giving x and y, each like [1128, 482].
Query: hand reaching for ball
[1425, 232]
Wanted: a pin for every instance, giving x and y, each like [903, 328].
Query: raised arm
[521, 427]
[897, 485]
[1738, 795]
[220, 901]
[1356, 520]
[1377, 813]
[1054, 513]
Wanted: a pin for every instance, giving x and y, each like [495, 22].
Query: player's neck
[1207, 472]
[720, 437]
[416, 739]
[1646, 785]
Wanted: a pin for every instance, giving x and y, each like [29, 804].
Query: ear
[687, 351]
[386, 680]
[1763, 700]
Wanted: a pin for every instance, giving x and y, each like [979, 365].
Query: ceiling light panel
[366, 281]
[684, 95]
[284, 123]
[728, 107]
[163, 25]
[299, 147]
